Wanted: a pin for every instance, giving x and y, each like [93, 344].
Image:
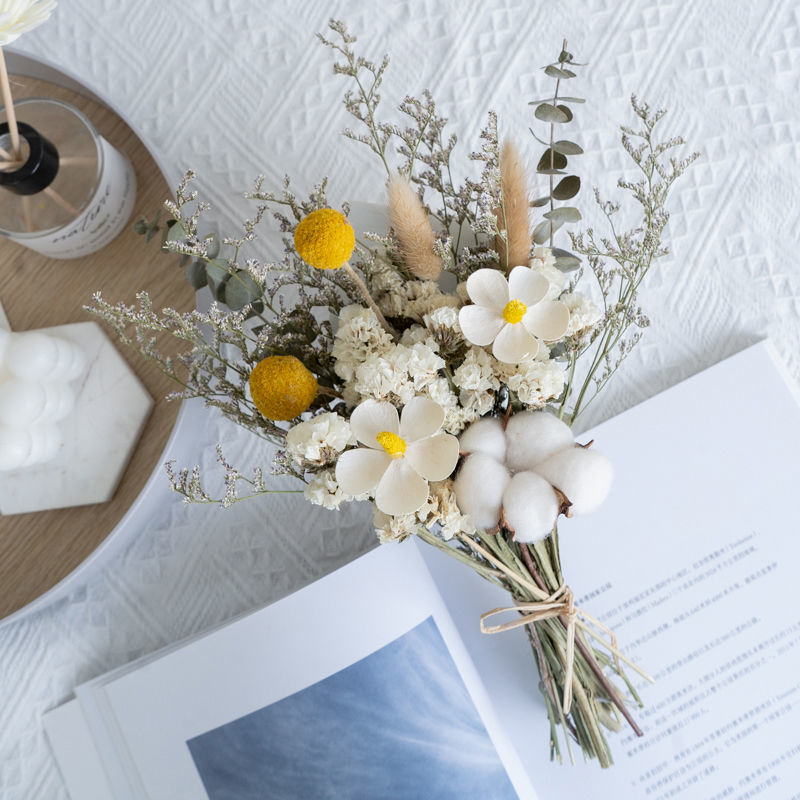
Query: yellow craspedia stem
[514, 311]
[282, 387]
[391, 443]
[325, 239]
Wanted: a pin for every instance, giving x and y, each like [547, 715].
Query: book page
[356, 686]
[693, 563]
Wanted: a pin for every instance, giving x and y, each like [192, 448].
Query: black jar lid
[41, 168]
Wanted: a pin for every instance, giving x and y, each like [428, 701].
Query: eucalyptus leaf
[567, 148]
[551, 172]
[565, 261]
[215, 272]
[563, 214]
[567, 187]
[140, 226]
[558, 72]
[562, 99]
[541, 233]
[539, 202]
[196, 274]
[551, 159]
[172, 232]
[241, 290]
[547, 112]
[213, 246]
[563, 56]
[565, 110]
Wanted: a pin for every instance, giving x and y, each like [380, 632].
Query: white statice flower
[415, 299]
[383, 377]
[401, 454]
[359, 335]
[445, 512]
[583, 313]
[511, 314]
[323, 490]
[398, 374]
[319, 440]
[421, 362]
[474, 404]
[542, 257]
[534, 382]
[544, 263]
[424, 297]
[477, 372]
[418, 334]
[521, 476]
[20, 16]
[394, 529]
[445, 317]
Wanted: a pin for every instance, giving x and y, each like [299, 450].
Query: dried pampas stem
[513, 215]
[413, 229]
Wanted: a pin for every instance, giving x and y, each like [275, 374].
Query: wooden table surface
[38, 550]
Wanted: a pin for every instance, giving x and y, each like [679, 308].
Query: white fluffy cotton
[486, 436]
[479, 489]
[532, 437]
[583, 476]
[530, 506]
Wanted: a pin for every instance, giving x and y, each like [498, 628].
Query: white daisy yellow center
[391, 443]
[514, 311]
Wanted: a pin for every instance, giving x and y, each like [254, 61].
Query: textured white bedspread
[234, 88]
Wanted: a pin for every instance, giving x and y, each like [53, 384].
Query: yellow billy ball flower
[325, 239]
[282, 387]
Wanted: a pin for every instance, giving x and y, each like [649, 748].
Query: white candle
[46, 440]
[15, 447]
[28, 402]
[26, 447]
[37, 356]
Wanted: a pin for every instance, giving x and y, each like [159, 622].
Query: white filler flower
[400, 456]
[511, 313]
[20, 16]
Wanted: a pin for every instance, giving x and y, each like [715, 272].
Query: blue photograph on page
[398, 724]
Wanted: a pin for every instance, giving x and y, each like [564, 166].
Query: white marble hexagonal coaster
[99, 436]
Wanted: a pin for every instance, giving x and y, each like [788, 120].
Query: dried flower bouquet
[435, 370]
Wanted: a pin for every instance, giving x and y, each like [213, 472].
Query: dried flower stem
[362, 287]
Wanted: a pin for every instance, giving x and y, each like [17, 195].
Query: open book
[375, 682]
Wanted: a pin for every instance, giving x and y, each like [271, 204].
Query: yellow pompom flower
[282, 387]
[325, 239]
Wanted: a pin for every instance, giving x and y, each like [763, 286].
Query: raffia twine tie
[561, 603]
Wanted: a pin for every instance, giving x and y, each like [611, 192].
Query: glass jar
[70, 192]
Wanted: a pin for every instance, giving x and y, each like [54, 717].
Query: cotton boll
[583, 476]
[533, 436]
[479, 489]
[485, 436]
[530, 506]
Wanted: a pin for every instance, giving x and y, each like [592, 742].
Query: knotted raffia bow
[561, 603]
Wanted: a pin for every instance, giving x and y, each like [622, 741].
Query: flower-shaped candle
[400, 454]
[512, 314]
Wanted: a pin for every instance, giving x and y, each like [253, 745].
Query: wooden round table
[38, 550]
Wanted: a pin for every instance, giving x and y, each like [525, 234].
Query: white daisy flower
[401, 454]
[511, 313]
[20, 16]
